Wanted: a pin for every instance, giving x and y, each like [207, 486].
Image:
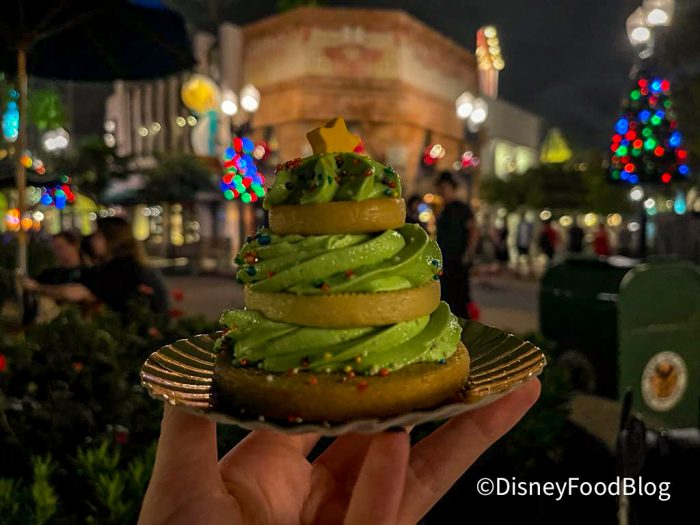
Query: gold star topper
[332, 137]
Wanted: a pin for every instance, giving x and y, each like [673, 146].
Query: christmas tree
[647, 147]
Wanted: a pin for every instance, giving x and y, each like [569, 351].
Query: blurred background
[570, 128]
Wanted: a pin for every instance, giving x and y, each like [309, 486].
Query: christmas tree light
[241, 179]
[646, 146]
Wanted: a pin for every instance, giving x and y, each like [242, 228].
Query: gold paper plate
[182, 374]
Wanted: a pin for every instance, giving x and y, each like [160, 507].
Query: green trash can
[578, 310]
[659, 341]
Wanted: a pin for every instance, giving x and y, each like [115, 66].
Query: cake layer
[334, 397]
[344, 310]
[368, 216]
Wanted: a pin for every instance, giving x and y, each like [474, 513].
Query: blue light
[660, 113]
[242, 164]
[675, 139]
[251, 170]
[656, 85]
[679, 205]
[683, 169]
[634, 179]
[624, 175]
[423, 207]
[46, 199]
[644, 116]
[230, 152]
[10, 122]
[622, 126]
[248, 145]
[625, 142]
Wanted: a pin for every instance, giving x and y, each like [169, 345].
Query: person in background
[576, 236]
[69, 264]
[457, 237]
[601, 244]
[548, 240]
[523, 240]
[499, 238]
[412, 212]
[118, 276]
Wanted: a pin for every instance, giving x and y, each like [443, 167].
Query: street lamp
[229, 102]
[658, 12]
[637, 30]
[250, 98]
[56, 139]
[474, 110]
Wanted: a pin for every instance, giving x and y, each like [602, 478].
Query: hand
[360, 478]
[29, 284]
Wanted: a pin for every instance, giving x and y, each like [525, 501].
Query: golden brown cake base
[373, 215]
[328, 397]
[346, 309]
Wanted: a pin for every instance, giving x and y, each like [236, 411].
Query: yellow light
[590, 219]
[180, 121]
[26, 161]
[429, 198]
[490, 32]
[143, 131]
[545, 215]
[614, 220]
[566, 221]
[424, 216]
[192, 120]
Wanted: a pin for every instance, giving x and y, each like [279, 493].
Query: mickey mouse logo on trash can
[664, 381]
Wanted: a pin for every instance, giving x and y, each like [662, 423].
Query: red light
[644, 91]
[666, 178]
[682, 154]
[652, 101]
[613, 148]
[236, 194]
[228, 178]
[633, 125]
[625, 159]
[615, 158]
[659, 151]
[253, 197]
[637, 143]
[237, 144]
[631, 135]
[262, 178]
[617, 137]
[673, 124]
[629, 168]
[665, 85]
[247, 181]
[643, 82]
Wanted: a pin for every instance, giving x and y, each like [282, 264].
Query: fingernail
[396, 429]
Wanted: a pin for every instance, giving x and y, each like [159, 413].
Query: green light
[667, 104]
[229, 195]
[646, 132]
[246, 198]
[621, 151]
[656, 120]
[64, 178]
[237, 179]
[650, 144]
[259, 190]
[636, 152]
[616, 174]
[635, 94]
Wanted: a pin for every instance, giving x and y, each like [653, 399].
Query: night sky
[567, 60]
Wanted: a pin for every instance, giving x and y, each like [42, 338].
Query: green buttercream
[332, 177]
[307, 265]
[278, 347]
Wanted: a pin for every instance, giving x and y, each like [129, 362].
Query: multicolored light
[646, 145]
[241, 179]
[58, 195]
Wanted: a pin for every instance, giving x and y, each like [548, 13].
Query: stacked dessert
[343, 317]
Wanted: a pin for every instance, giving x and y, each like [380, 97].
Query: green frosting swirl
[332, 177]
[278, 347]
[307, 265]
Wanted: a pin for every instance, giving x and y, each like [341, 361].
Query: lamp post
[473, 111]
[248, 100]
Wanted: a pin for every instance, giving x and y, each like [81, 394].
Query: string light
[241, 179]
